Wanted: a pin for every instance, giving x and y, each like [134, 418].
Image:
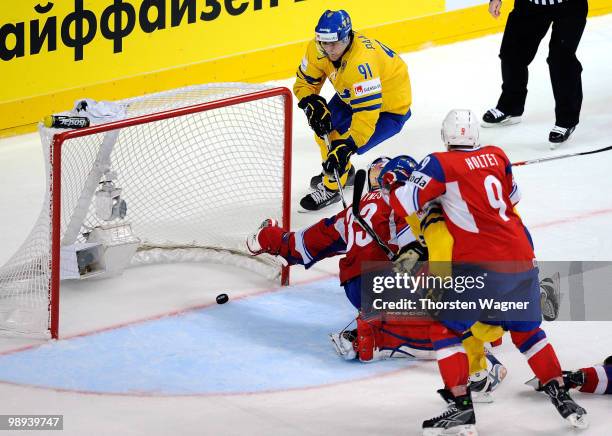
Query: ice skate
[559, 135]
[458, 419]
[315, 181]
[319, 199]
[496, 118]
[565, 405]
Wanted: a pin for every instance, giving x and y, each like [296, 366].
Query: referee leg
[522, 35]
[565, 68]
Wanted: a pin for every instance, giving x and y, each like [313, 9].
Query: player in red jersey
[477, 192]
[341, 235]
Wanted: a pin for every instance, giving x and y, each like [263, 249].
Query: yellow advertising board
[51, 46]
[54, 52]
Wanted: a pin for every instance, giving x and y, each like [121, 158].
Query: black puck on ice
[222, 298]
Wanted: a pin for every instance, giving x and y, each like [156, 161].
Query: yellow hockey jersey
[371, 78]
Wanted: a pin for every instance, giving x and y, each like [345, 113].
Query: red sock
[452, 360]
[539, 354]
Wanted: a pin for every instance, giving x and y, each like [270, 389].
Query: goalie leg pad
[379, 340]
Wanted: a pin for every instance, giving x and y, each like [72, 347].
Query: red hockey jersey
[342, 234]
[477, 192]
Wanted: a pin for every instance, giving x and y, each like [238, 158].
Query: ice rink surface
[150, 353]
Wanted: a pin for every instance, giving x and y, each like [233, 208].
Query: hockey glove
[406, 260]
[318, 114]
[396, 172]
[339, 156]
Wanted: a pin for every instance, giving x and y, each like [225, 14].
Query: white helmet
[460, 129]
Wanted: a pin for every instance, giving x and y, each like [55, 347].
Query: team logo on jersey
[419, 179]
[367, 87]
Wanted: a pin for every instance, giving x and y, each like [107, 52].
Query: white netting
[194, 184]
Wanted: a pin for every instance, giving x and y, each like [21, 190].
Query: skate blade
[482, 397]
[555, 145]
[302, 210]
[459, 430]
[507, 122]
[534, 383]
[324, 209]
[578, 421]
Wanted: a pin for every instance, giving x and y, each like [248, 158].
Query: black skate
[494, 118]
[564, 404]
[319, 199]
[608, 361]
[559, 134]
[316, 181]
[458, 419]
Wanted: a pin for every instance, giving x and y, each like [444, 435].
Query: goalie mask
[374, 170]
[460, 129]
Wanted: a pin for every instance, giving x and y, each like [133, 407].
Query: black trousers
[526, 26]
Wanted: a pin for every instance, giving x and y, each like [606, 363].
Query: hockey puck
[222, 298]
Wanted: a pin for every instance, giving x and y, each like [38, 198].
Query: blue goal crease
[275, 341]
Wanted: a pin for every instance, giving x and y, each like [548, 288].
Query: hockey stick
[360, 178]
[336, 175]
[563, 156]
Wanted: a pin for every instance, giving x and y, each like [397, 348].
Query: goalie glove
[266, 239]
[318, 114]
[339, 156]
[407, 258]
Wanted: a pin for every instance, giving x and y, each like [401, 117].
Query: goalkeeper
[371, 104]
[340, 235]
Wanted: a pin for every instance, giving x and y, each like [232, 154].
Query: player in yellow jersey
[371, 104]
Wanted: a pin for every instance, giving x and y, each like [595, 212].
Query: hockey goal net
[184, 175]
